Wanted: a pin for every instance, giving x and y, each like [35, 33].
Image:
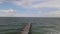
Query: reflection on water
[12, 25]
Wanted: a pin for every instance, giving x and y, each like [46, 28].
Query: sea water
[13, 25]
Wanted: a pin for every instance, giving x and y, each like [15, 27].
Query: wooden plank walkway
[27, 29]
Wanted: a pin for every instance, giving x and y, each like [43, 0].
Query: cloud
[13, 13]
[1, 1]
[51, 14]
[51, 3]
[34, 3]
[37, 3]
[45, 8]
[27, 15]
[7, 12]
[29, 3]
[23, 3]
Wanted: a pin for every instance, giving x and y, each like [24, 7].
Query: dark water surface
[39, 26]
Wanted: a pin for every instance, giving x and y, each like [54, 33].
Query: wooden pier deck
[27, 29]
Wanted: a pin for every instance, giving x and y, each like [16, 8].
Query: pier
[27, 29]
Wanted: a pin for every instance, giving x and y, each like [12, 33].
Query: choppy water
[39, 26]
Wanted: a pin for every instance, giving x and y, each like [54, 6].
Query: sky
[29, 8]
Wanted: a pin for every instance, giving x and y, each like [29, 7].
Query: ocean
[40, 25]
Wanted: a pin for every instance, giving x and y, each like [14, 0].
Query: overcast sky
[30, 8]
